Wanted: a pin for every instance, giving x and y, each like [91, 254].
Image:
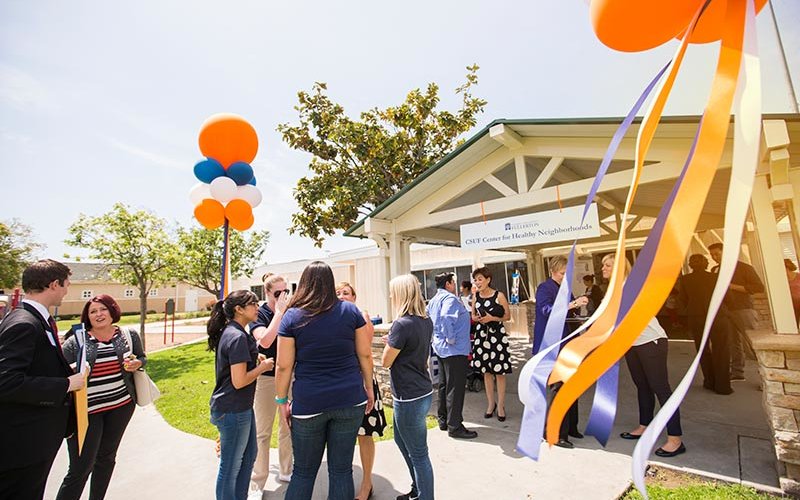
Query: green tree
[16, 251]
[358, 164]
[136, 241]
[200, 256]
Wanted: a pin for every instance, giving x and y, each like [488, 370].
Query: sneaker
[737, 378]
[284, 478]
[411, 495]
[255, 495]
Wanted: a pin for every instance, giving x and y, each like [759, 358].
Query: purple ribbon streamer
[533, 419]
[604, 405]
[224, 260]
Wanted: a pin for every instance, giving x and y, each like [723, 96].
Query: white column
[777, 285]
[383, 276]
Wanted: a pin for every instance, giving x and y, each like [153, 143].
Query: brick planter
[779, 365]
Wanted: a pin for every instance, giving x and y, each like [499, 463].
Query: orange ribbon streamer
[679, 228]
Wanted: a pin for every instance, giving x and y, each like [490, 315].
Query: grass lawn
[667, 484]
[185, 376]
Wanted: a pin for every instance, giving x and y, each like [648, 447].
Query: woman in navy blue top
[237, 365]
[325, 344]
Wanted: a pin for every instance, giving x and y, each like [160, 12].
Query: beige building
[90, 279]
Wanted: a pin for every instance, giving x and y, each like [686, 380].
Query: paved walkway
[726, 436]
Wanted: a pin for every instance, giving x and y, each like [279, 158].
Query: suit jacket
[35, 407]
[694, 291]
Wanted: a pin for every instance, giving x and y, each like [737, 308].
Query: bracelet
[282, 401]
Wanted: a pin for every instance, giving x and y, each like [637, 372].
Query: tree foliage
[358, 164]
[16, 251]
[136, 241]
[200, 256]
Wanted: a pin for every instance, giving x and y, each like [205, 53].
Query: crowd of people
[306, 359]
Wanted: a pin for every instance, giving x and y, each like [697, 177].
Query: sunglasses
[277, 293]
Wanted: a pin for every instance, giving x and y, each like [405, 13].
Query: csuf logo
[521, 226]
[508, 226]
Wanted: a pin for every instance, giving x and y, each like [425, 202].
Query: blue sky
[102, 101]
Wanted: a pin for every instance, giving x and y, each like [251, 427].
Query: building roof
[90, 271]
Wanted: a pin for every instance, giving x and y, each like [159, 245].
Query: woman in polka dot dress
[490, 346]
[374, 422]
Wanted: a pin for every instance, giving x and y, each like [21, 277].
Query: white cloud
[22, 90]
[153, 158]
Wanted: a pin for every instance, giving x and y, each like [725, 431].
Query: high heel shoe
[491, 413]
[501, 418]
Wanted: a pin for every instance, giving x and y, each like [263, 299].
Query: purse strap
[127, 333]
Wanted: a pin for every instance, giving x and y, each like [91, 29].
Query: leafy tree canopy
[16, 251]
[135, 240]
[200, 255]
[358, 164]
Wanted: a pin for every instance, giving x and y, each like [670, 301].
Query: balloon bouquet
[592, 358]
[226, 194]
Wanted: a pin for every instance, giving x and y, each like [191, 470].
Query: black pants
[569, 425]
[26, 483]
[648, 366]
[98, 456]
[452, 384]
[715, 360]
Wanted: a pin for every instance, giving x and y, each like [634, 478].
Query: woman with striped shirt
[111, 393]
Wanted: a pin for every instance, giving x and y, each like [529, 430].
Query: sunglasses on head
[277, 293]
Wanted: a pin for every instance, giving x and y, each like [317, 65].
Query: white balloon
[223, 189]
[250, 194]
[199, 192]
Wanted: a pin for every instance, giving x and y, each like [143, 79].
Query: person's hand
[131, 364]
[217, 447]
[265, 364]
[486, 319]
[580, 301]
[286, 414]
[370, 401]
[77, 381]
[281, 302]
[476, 318]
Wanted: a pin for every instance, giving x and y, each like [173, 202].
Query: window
[153, 292]
[86, 294]
[258, 290]
[129, 292]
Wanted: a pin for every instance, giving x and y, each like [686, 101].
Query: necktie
[54, 329]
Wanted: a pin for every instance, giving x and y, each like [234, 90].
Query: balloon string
[558, 199]
[483, 213]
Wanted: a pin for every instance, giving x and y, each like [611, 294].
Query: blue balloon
[240, 172]
[252, 181]
[208, 170]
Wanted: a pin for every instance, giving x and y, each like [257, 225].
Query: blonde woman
[374, 422]
[406, 357]
[647, 362]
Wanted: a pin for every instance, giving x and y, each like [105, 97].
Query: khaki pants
[265, 409]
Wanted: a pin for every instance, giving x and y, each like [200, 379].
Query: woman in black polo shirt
[406, 356]
[237, 366]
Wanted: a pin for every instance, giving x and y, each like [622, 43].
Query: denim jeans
[238, 449]
[411, 436]
[336, 429]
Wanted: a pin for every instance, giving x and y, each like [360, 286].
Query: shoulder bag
[146, 390]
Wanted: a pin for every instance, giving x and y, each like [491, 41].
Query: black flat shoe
[462, 433]
[489, 415]
[564, 443]
[628, 435]
[442, 425]
[576, 435]
[667, 454]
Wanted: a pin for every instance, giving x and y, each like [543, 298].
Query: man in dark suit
[694, 293]
[36, 384]
[741, 313]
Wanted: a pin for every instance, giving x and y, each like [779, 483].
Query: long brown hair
[316, 291]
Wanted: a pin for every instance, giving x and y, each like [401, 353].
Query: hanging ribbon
[747, 133]
[532, 385]
[225, 280]
[679, 226]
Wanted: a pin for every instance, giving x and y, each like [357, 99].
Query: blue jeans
[338, 430]
[411, 436]
[238, 449]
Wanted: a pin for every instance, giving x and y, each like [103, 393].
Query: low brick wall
[779, 365]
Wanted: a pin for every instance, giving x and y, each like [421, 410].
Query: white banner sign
[532, 229]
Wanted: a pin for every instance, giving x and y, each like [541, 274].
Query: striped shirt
[106, 389]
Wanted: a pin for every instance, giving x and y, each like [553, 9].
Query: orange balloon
[210, 213]
[636, 25]
[239, 214]
[228, 138]
[712, 22]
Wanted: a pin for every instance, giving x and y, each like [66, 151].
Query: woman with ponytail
[237, 365]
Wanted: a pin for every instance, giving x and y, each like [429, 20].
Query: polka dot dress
[375, 421]
[490, 346]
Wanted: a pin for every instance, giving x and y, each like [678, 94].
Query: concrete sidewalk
[726, 436]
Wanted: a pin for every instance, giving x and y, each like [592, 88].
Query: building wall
[74, 300]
